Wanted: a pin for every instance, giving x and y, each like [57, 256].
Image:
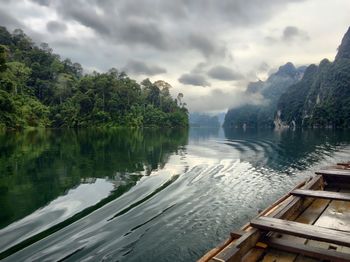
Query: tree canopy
[39, 89]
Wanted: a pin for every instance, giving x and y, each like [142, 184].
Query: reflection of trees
[284, 149]
[37, 166]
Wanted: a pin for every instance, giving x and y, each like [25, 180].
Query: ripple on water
[190, 203]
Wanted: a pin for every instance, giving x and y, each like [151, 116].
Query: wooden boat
[310, 223]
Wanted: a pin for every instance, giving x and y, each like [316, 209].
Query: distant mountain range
[204, 120]
[313, 96]
[322, 97]
[253, 116]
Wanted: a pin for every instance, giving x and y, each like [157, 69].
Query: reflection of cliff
[286, 149]
[37, 167]
[198, 133]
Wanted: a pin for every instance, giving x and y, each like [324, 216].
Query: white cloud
[177, 36]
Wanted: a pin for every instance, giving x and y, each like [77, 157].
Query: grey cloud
[291, 33]
[67, 43]
[139, 67]
[201, 43]
[85, 14]
[12, 23]
[263, 67]
[193, 79]
[146, 33]
[224, 73]
[157, 23]
[154, 10]
[56, 27]
[9, 21]
[199, 68]
[271, 40]
[42, 2]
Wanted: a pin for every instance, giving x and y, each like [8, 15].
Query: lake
[151, 195]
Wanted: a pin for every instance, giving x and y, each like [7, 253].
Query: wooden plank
[302, 230]
[253, 255]
[321, 194]
[237, 234]
[324, 245]
[309, 216]
[335, 174]
[274, 206]
[344, 164]
[284, 210]
[315, 182]
[314, 252]
[293, 206]
[236, 250]
[336, 216]
[211, 253]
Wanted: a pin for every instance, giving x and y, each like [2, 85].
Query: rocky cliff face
[322, 97]
[344, 48]
[263, 115]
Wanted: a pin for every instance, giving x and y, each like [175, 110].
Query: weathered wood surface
[236, 250]
[347, 164]
[335, 174]
[310, 251]
[309, 216]
[293, 206]
[321, 194]
[215, 253]
[296, 241]
[336, 216]
[302, 230]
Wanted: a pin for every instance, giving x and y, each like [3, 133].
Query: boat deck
[310, 223]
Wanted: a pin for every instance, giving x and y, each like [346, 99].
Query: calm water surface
[127, 195]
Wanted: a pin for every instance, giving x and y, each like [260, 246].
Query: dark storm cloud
[193, 79]
[291, 33]
[56, 27]
[139, 67]
[224, 73]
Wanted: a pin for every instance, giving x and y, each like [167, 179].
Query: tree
[18, 74]
[38, 88]
[3, 65]
[64, 86]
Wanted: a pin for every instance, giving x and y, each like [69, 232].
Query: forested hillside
[322, 97]
[39, 89]
[254, 116]
[204, 120]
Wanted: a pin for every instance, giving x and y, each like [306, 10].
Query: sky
[207, 49]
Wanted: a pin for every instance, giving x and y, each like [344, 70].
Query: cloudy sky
[206, 49]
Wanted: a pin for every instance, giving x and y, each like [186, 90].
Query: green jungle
[39, 89]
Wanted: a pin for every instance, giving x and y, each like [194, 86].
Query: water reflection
[158, 196]
[66, 171]
[286, 150]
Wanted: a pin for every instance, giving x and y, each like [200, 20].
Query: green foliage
[257, 116]
[321, 98]
[37, 166]
[3, 66]
[39, 89]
